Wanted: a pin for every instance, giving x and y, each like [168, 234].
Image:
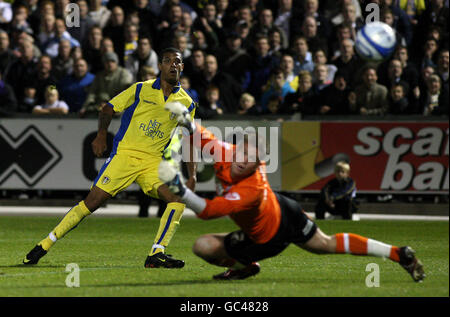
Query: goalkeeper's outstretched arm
[169, 175]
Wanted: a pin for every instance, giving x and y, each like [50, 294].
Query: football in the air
[375, 41]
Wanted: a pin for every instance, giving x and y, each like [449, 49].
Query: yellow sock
[167, 226]
[70, 221]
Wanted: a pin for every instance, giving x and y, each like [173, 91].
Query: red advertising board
[385, 156]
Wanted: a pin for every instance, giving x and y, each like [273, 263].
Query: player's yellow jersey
[146, 126]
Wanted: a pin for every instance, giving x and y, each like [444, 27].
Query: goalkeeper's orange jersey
[250, 203]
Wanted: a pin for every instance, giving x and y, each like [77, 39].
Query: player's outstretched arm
[104, 119]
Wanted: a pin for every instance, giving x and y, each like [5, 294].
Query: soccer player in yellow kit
[144, 134]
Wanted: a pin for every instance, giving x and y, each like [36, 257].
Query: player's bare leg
[76, 214]
[211, 248]
[355, 244]
[168, 225]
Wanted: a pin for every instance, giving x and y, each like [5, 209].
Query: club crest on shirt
[106, 180]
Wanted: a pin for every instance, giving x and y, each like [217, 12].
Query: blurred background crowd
[249, 57]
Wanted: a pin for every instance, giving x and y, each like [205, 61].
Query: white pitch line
[133, 210]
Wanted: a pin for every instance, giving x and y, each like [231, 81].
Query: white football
[375, 41]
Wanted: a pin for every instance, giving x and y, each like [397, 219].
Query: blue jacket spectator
[73, 88]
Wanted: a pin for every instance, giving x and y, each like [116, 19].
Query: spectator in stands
[276, 86]
[442, 65]
[41, 78]
[338, 17]
[185, 81]
[234, 60]
[180, 42]
[229, 88]
[350, 17]
[7, 56]
[8, 101]
[261, 65]
[80, 31]
[21, 70]
[131, 37]
[52, 103]
[320, 78]
[369, 98]
[275, 41]
[302, 55]
[20, 19]
[115, 29]
[285, 18]
[106, 46]
[147, 19]
[398, 103]
[409, 72]
[143, 56]
[73, 88]
[348, 62]
[92, 49]
[248, 106]
[274, 105]
[168, 26]
[387, 16]
[337, 196]
[6, 13]
[287, 66]
[186, 28]
[343, 32]
[429, 50]
[51, 46]
[311, 9]
[46, 30]
[146, 73]
[309, 31]
[62, 65]
[435, 100]
[107, 83]
[209, 24]
[303, 100]
[320, 58]
[394, 75]
[98, 13]
[213, 107]
[413, 9]
[265, 25]
[436, 14]
[243, 30]
[195, 64]
[333, 99]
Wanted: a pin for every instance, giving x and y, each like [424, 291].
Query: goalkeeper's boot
[240, 274]
[161, 259]
[411, 264]
[34, 255]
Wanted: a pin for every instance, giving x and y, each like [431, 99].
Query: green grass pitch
[110, 253]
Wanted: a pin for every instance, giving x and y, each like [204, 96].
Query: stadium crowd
[241, 57]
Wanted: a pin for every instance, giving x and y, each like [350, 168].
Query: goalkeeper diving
[268, 222]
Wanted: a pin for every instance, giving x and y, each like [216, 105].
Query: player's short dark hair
[169, 50]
